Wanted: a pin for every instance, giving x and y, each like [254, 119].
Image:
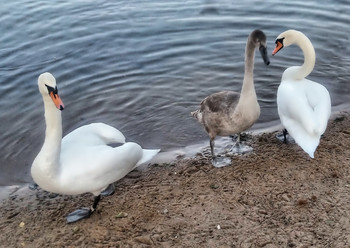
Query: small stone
[121, 215]
[262, 211]
[214, 186]
[144, 240]
[75, 229]
[285, 197]
[21, 224]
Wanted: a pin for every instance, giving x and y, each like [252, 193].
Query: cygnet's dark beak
[263, 52]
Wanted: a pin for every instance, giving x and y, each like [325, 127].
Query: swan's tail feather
[309, 150]
[306, 141]
[147, 154]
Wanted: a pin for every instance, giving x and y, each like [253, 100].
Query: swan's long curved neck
[53, 133]
[248, 80]
[309, 55]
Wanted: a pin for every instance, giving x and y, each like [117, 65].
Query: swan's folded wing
[304, 108]
[293, 105]
[92, 168]
[320, 100]
[93, 134]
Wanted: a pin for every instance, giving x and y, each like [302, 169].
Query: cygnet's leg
[239, 138]
[237, 141]
[218, 161]
[238, 147]
[212, 144]
[83, 212]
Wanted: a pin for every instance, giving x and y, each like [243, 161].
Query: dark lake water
[143, 66]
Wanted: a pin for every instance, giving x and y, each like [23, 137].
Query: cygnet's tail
[148, 154]
[197, 115]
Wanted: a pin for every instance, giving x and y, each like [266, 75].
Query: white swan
[304, 106]
[82, 161]
[227, 112]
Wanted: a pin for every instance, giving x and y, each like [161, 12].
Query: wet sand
[275, 196]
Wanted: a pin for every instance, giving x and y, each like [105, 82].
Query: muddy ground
[274, 197]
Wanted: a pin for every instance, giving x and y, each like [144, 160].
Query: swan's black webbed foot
[33, 186]
[83, 213]
[285, 137]
[79, 214]
[109, 190]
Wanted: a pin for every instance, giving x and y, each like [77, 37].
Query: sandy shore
[274, 197]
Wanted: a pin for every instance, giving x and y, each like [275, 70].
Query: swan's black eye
[280, 40]
[52, 89]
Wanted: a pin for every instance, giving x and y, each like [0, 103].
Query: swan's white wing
[304, 109]
[88, 164]
[320, 100]
[94, 134]
[293, 104]
[92, 168]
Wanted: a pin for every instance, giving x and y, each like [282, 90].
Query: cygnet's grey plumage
[227, 113]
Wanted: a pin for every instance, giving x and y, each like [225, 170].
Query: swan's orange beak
[57, 100]
[279, 46]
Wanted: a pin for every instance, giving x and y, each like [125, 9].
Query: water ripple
[143, 66]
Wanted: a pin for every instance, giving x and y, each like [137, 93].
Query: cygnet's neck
[248, 80]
